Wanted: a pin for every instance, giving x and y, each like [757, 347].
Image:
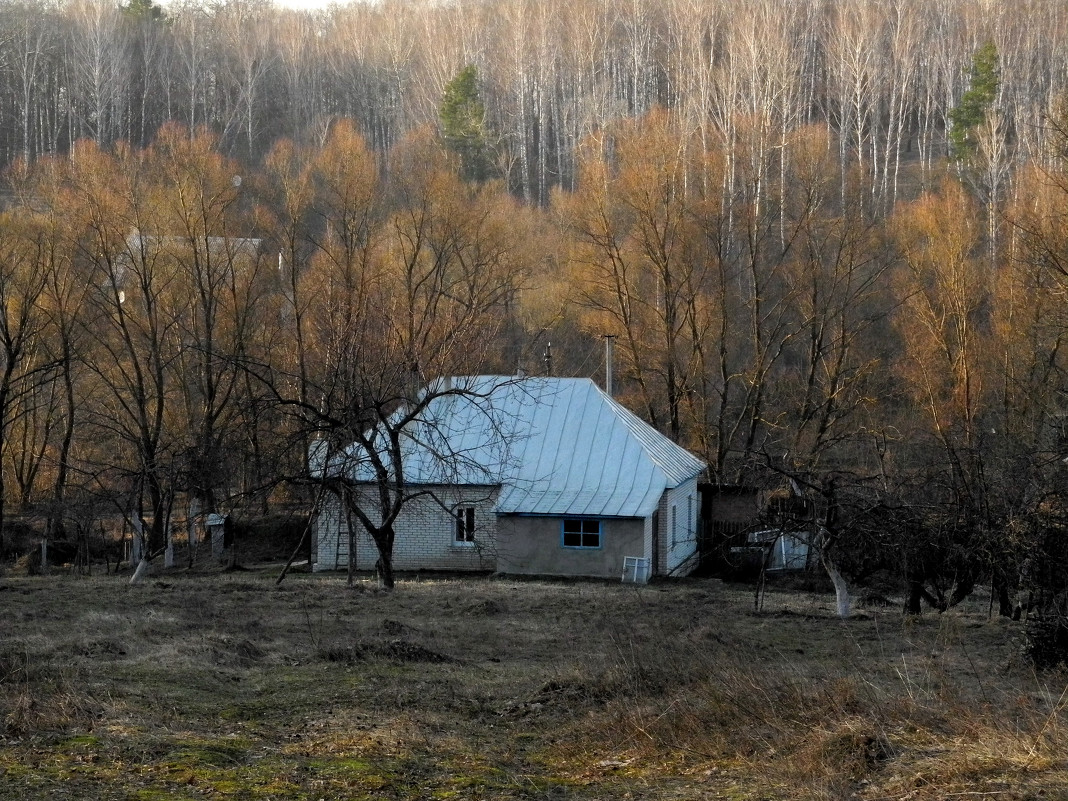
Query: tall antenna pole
[608, 363]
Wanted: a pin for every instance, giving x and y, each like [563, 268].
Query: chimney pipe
[608, 363]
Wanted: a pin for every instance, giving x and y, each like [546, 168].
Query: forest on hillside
[883, 75]
[829, 239]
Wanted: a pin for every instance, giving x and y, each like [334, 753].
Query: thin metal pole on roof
[608, 363]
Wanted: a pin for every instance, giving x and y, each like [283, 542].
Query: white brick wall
[425, 534]
[678, 536]
[426, 529]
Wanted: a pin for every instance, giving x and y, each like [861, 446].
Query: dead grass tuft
[36, 695]
[57, 710]
[99, 648]
[236, 652]
[485, 608]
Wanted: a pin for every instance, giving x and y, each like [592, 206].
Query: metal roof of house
[243, 245]
[556, 446]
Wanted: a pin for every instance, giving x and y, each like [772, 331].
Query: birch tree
[98, 57]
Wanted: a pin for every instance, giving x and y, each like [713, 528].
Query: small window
[674, 526]
[582, 534]
[465, 525]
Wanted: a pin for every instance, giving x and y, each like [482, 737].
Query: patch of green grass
[81, 741]
[60, 768]
[222, 771]
[214, 753]
[154, 794]
[353, 771]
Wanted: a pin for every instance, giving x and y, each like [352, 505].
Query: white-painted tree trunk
[144, 568]
[841, 588]
[137, 539]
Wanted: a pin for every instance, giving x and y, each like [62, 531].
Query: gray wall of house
[532, 545]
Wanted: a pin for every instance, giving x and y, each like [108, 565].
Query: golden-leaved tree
[944, 323]
[408, 280]
[130, 325]
[222, 279]
[26, 360]
[638, 257]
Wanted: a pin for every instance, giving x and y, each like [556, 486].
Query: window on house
[465, 525]
[581, 533]
[674, 526]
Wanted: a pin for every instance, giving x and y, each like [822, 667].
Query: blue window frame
[580, 533]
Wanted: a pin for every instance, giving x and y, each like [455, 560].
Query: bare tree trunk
[139, 552]
[351, 577]
[168, 550]
[144, 568]
[384, 568]
[841, 588]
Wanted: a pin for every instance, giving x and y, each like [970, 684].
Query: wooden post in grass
[191, 529]
[168, 552]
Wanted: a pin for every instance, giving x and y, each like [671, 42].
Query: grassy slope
[229, 687]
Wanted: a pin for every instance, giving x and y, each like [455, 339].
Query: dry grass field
[198, 686]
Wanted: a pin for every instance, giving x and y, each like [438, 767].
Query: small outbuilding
[783, 550]
[216, 528]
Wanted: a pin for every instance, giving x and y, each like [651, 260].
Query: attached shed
[546, 476]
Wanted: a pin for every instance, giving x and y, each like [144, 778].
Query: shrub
[1046, 642]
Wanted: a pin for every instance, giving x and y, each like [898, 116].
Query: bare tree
[405, 292]
[132, 321]
[24, 361]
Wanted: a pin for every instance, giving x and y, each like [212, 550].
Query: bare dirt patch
[228, 686]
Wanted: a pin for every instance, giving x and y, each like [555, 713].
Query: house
[524, 475]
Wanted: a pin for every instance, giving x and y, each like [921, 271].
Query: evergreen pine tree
[970, 113]
[463, 124]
